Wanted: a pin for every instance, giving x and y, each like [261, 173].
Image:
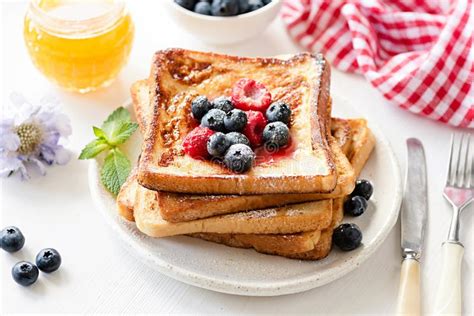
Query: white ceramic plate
[246, 272]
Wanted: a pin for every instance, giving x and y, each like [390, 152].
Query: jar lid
[76, 19]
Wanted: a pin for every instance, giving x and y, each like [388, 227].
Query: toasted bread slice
[178, 207]
[177, 76]
[282, 220]
[284, 244]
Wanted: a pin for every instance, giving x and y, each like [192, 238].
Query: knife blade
[415, 201]
[413, 216]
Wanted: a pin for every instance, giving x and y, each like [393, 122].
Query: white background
[98, 275]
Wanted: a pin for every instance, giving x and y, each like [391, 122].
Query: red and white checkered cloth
[418, 54]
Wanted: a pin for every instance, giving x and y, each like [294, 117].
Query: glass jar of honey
[79, 45]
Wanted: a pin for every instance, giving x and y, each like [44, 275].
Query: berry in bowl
[224, 21]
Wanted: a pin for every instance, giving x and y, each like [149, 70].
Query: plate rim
[246, 288]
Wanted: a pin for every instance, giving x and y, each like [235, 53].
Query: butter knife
[413, 220]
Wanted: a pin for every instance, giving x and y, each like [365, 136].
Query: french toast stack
[285, 205]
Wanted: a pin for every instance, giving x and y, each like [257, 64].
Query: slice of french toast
[178, 207]
[178, 76]
[280, 220]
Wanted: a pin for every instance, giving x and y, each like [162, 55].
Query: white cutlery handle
[409, 291]
[448, 298]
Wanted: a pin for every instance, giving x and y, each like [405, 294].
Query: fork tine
[459, 172]
[450, 176]
[468, 164]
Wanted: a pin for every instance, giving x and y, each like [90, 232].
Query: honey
[79, 45]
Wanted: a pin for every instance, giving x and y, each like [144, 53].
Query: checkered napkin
[418, 54]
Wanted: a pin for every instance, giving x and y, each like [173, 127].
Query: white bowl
[224, 30]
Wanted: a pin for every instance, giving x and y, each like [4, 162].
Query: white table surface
[99, 276]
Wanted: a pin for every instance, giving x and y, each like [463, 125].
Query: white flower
[31, 135]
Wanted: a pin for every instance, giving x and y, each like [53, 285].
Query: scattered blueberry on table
[11, 239]
[222, 7]
[48, 260]
[25, 273]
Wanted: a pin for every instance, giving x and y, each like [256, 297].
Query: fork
[459, 191]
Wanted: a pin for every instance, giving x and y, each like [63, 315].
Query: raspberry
[195, 143]
[255, 124]
[248, 94]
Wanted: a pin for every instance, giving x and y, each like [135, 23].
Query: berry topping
[355, 205]
[347, 236]
[237, 138]
[187, 4]
[363, 188]
[275, 136]
[218, 144]
[214, 119]
[225, 7]
[25, 273]
[195, 143]
[244, 6]
[279, 111]
[235, 120]
[200, 106]
[256, 4]
[239, 158]
[48, 260]
[223, 103]
[248, 94]
[253, 130]
[11, 239]
[203, 8]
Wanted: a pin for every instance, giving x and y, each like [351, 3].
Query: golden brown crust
[177, 75]
[281, 220]
[269, 244]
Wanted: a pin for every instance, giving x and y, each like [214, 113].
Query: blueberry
[275, 135]
[25, 273]
[347, 236]
[187, 4]
[363, 188]
[255, 5]
[48, 260]
[355, 205]
[265, 2]
[235, 120]
[278, 111]
[217, 145]
[223, 103]
[200, 106]
[239, 158]
[243, 6]
[225, 7]
[12, 239]
[237, 138]
[203, 8]
[214, 119]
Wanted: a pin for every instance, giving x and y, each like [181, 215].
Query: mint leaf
[94, 148]
[122, 133]
[114, 120]
[115, 171]
[99, 133]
